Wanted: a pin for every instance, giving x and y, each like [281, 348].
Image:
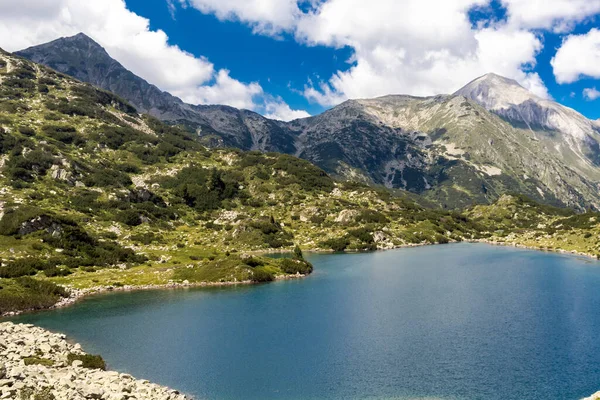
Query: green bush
[88, 360]
[253, 262]
[339, 244]
[27, 167]
[63, 133]
[301, 172]
[28, 294]
[129, 217]
[362, 234]
[106, 177]
[371, 216]
[262, 275]
[290, 266]
[38, 361]
[26, 130]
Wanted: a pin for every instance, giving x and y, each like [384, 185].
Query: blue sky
[290, 58]
[281, 65]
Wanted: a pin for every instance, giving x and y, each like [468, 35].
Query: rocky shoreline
[78, 294]
[36, 364]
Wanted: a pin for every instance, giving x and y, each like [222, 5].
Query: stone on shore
[34, 364]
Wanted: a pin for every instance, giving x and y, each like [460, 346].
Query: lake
[458, 321]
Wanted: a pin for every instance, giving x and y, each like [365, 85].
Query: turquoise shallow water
[461, 321]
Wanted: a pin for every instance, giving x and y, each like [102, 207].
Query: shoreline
[41, 364]
[79, 294]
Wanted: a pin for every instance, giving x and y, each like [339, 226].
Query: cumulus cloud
[225, 90]
[578, 56]
[591, 93]
[266, 16]
[418, 47]
[128, 38]
[558, 15]
[278, 109]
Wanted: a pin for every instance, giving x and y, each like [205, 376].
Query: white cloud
[591, 93]
[278, 109]
[128, 38]
[558, 15]
[266, 16]
[418, 47]
[578, 56]
[225, 90]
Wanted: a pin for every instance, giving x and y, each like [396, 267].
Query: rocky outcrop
[35, 364]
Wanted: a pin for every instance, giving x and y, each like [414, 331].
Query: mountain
[82, 58]
[95, 194]
[489, 138]
[514, 103]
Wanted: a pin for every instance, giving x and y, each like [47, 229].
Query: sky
[288, 59]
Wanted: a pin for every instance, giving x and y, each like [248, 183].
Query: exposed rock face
[490, 137]
[34, 363]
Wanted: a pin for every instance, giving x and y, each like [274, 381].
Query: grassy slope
[95, 194]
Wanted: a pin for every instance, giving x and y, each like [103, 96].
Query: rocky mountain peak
[496, 92]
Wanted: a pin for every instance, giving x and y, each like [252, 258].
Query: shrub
[55, 271]
[26, 130]
[38, 361]
[63, 133]
[106, 177]
[262, 275]
[253, 262]
[290, 266]
[27, 167]
[27, 293]
[308, 176]
[362, 234]
[129, 217]
[115, 137]
[371, 216]
[298, 253]
[339, 244]
[22, 267]
[88, 360]
[47, 81]
[92, 95]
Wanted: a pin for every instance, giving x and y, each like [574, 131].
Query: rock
[62, 381]
[346, 216]
[379, 237]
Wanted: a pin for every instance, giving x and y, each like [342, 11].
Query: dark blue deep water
[462, 321]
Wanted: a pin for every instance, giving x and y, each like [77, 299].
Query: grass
[38, 361]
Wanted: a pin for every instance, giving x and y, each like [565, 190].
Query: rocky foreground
[39, 365]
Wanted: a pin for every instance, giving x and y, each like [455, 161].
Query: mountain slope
[522, 108]
[95, 194]
[490, 138]
[84, 59]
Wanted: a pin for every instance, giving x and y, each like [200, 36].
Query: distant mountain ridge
[489, 138]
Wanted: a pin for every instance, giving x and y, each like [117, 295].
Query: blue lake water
[461, 321]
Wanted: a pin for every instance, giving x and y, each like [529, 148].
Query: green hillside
[94, 194]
